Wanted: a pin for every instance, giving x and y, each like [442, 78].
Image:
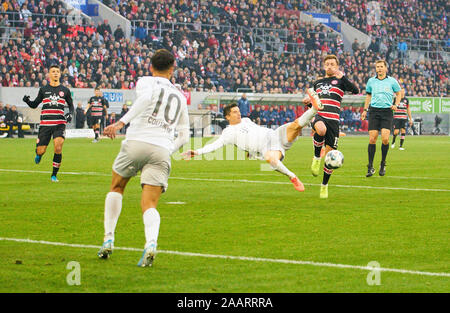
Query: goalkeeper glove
[68, 117]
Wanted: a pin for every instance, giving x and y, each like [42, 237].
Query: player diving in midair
[262, 142]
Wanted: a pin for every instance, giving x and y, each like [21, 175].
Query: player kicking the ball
[262, 142]
[331, 90]
[159, 110]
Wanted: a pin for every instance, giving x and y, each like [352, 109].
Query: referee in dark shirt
[380, 91]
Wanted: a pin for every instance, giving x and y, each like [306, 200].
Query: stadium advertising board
[445, 105]
[424, 105]
[113, 96]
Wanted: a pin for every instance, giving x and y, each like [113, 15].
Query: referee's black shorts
[380, 118]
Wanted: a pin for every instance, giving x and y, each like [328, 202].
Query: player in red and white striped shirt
[400, 118]
[54, 97]
[331, 90]
[99, 106]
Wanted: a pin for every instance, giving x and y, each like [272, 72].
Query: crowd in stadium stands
[209, 58]
[400, 18]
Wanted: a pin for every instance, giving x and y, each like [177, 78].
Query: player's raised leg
[152, 220]
[113, 207]
[293, 129]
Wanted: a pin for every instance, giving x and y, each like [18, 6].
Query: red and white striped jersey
[53, 100]
[402, 110]
[331, 91]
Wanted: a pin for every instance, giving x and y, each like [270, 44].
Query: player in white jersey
[262, 142]
[159, 110]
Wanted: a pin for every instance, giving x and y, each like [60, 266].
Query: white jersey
[159, 110]
[246, 136]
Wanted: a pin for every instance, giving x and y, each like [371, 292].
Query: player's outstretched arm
[112, 129]
[220, 142]
[35, 103]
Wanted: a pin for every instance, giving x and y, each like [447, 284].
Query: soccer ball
[334, 159]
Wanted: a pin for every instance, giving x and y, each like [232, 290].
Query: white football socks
[151, 226]
[113, 206]
[306, 117]
[280, 167]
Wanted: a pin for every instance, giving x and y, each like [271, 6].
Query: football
[334, 159]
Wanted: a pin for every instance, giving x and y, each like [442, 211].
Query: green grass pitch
[230, 208]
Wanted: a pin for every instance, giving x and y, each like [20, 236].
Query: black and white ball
[334, 159]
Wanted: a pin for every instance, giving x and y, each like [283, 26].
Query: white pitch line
[307, 184]
[360, 176]
[234, 180]
[240, 258]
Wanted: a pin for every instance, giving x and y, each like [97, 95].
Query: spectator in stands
[272, 117]
[374, 46]
[12, 119]
[255, 116]
[104, 29]
[212, 41]
[80, 117]
[299, 109]
[355, 45]
[264, 117]
[244, 106]
[282, 115]
[118, 33]
[141, 32]
[7, 108]
[402, 49]
[119, 64]
[347, 117]
[111, 119]
[356, 119]
[290, 114]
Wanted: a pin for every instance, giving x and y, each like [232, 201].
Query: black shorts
[96, 120]
[46, 132]
[380, 118]
[332, 134]
[399, 123]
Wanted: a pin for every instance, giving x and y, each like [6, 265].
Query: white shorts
[153, 162]
[278, 140]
